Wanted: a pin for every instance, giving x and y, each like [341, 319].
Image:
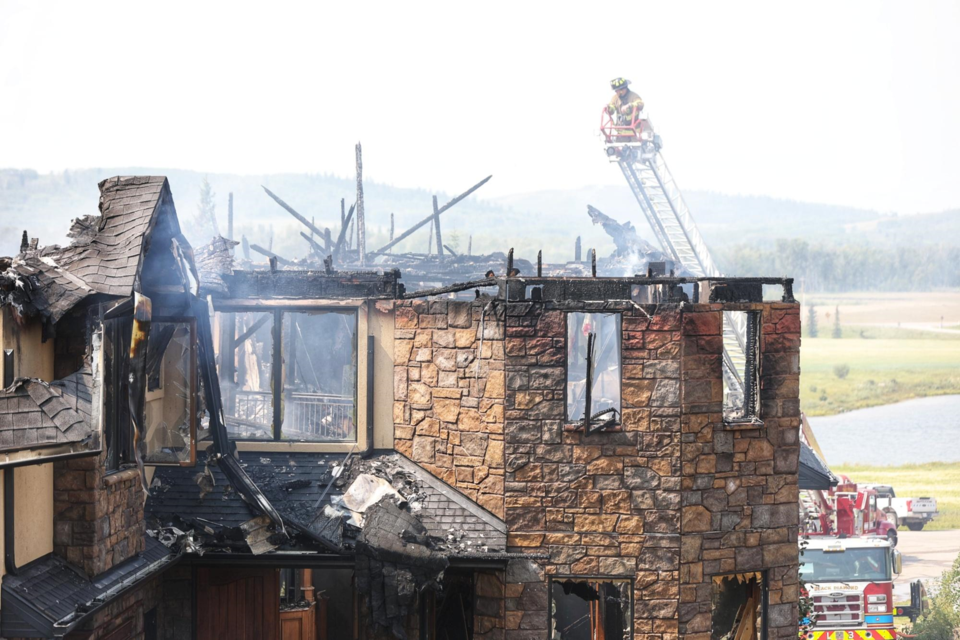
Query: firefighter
[625, 103]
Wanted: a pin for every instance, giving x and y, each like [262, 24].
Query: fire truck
[848, 510]
[850, 581]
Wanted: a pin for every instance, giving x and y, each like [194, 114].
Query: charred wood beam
[270, 254]
[436, 224]
[293, 212]
[327, 241]
[361, 220]
[450, 251]
[429, 218]
[343, 232]
[577, 250]
[453, 288]
[230, 218]
[595, 284]
[588, 400]
[246, 247]
[317, 249]
[243, 337]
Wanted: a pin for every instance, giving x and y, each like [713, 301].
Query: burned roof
[48, 597]
[294, 482]
[34, 413]
[105, 256]
[306, 285]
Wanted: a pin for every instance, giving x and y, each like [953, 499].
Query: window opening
[741, 365]
[246, 373]
[289, 375]
[320, 376]
[603, 390]
[737, 606]
[591, 608]
[170, 425]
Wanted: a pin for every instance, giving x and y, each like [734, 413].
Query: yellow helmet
[619, 83]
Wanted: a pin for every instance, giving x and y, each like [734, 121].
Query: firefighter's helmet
[619, 83]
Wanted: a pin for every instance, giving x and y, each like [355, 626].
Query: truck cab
[850, 583]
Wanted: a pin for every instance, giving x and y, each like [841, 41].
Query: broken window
[313, 353]
[320, 376]
[117, 432]
[245, 361]
[170, 424]
[741, 365]
[447, 613]
[591, 609]
[737, 604]
[603, 392]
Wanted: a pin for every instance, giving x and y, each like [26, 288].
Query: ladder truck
[635, 147]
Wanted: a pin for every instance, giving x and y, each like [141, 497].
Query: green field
[886, 365]
[940, 480]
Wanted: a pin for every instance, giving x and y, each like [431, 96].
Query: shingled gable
[107, 253]
[35, 414]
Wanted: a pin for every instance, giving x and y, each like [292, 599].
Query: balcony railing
[314, 417]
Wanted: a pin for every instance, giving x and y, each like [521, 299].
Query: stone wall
[98, 517]
[671, 499]
[448, 412]
[604, 504]
[739, 481]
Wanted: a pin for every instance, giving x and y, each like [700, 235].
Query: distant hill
[44, 204]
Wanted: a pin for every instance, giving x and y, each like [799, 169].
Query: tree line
[826, 268]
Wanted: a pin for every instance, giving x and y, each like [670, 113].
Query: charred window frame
[117, 426]
[739, 606]
[172, 393]
[312, 401]
[586, 607]
[741, 374]
[593, 343]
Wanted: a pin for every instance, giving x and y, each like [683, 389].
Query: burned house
[324, 454]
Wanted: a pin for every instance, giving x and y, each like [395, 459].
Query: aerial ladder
[634, 146]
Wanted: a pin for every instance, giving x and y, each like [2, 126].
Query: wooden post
[430, 241]
[576, 250]
[436, 222]
[327, 241]
[361, 222]
[540, 263]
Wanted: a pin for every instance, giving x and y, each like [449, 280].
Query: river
[911, 432]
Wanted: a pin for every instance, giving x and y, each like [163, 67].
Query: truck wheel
[892, 537]
[915, 526]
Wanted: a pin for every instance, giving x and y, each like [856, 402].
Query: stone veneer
[98, 516]
[671, 500]
[448, 411]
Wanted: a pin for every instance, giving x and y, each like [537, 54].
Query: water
[912, 432]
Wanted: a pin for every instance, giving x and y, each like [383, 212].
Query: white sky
[854, 103]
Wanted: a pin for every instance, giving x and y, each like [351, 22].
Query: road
[926, 554]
